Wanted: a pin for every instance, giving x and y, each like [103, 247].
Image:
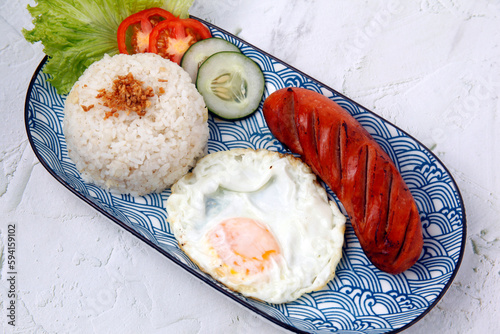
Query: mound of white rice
[130, 153]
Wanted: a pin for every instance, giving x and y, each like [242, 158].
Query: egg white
[279, 191]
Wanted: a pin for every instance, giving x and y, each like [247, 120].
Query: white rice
[130, 153]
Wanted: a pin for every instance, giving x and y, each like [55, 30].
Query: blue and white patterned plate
[361, 298]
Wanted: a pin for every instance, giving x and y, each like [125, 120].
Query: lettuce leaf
[76, 33]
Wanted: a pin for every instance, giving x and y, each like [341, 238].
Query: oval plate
[361, 298]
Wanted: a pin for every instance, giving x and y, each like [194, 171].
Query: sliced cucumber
[201, 50]
[231, 84]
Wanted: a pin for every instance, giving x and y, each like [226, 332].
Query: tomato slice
[133, 33]
[171, 38]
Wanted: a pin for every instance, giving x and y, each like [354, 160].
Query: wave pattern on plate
[360, 299]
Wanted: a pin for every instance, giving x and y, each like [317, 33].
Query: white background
[429, 66]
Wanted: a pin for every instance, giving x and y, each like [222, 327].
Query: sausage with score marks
[345, 156]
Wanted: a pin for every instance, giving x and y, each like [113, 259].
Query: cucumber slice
[231, 84]
[201, 50]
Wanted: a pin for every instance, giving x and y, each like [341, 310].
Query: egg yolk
[244, 245]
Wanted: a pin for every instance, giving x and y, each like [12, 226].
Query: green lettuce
[76, 33]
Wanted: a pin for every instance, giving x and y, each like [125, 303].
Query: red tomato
[133, 33]
[171, 38]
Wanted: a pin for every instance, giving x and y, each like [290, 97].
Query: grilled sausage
[345, 156]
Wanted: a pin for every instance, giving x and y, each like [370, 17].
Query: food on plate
[127, 94]
[382, 210]
[172, 38]
[200, 51]
[135, 123]
[158, 31]
[258, 222]
[231, 84]
[134, 32]
[77, 33]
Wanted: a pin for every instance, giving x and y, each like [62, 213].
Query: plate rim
[199, 275]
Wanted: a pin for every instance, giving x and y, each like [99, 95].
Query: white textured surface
[429, 66]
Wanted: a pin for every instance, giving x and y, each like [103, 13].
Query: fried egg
[258, 222]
